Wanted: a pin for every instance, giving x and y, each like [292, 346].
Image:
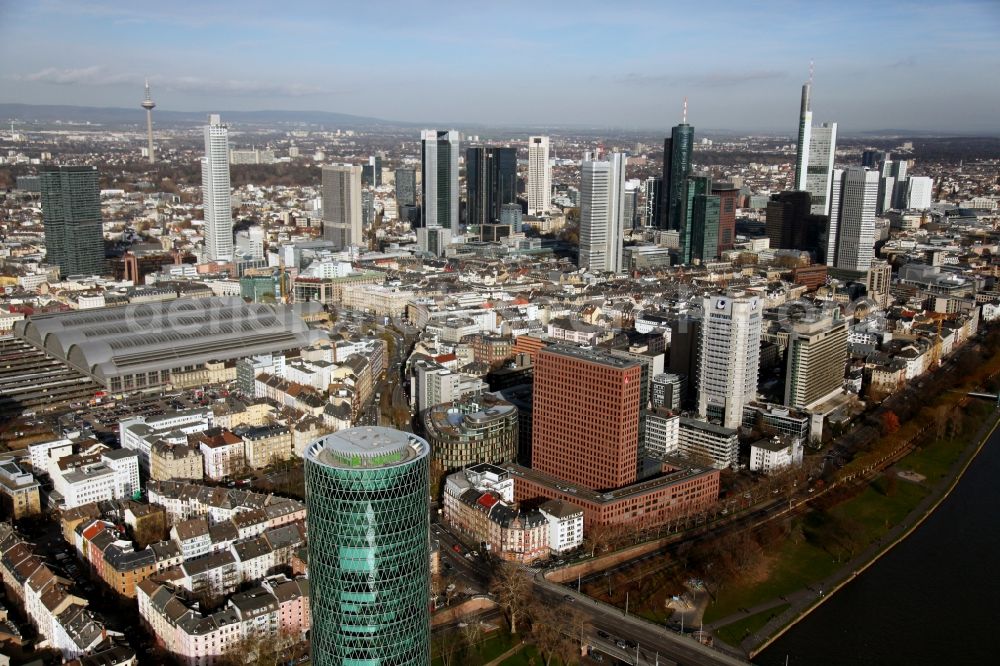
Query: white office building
[115, 476]
[772, 455]
[250, 243]
[708, 443]
[662, 433]
[216, 192]
[539, 176]
[439, 184]
[602, 211]
[729, 356]
[814, 156]
[342, 205]
[140, 433]
[851, 236]
[919, 192]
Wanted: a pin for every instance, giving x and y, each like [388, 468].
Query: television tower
[148, 104]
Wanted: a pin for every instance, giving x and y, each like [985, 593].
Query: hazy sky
[879, 63]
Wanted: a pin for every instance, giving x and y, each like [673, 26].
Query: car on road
[569, 597]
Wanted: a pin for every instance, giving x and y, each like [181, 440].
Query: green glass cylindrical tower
[367, 493]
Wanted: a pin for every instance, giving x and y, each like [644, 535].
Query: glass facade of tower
[71, 208]
[676, 168]
[367, 506]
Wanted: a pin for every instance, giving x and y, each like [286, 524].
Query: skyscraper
[342, 205]
[216, 193]
[851, 235]
[590, 433]
[490, 182]
[728, 197]
[652, 194]
[815, 360]
[539, 175]
[814, 155]
[71, 210]
[699, 220]
[676, 168]
[602, 208]
[729, 356]
[149, 105]
[367, 505]
[406, 187]
[371, 173]
[790, 225]
[439, 184]
[805, 130]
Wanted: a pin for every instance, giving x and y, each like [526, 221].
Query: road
[645, 639]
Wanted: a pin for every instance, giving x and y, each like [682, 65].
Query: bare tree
[512, 587]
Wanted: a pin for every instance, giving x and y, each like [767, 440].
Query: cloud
[98, 75]
[908, 61]
[703, 80]
[94, 75]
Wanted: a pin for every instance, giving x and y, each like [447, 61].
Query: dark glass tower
[490, 183]
[71, 208]
[705, 227]
[369, 557]
[406, 187]
[691, 188]
[676, 167]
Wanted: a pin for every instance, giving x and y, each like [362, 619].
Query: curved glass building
[367, 509]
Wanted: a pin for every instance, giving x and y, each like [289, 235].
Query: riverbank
[805, 601]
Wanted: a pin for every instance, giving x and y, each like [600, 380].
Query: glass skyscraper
[367, 493]
[490, 182]
[71, 208]
[439, 180]
[676, 167]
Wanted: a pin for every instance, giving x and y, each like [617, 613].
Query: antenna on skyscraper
[812, 68]
[685, 115]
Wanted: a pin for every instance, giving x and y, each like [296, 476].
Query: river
[930, 600]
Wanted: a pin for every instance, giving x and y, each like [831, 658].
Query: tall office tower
[815, 359]
[790, 225]
[585, 416]
[919, 190]
[896, 171]
[851, 236]
[71, 210]
[814, 155]
[439, 179]
[676, 169]
[729, 196]
[651, 195]
[216, 193]
[367, 210]
[729, 357]
[406, 187]
[602, 207]
[149, 105]
[693, 186]
[873, 159]
[667, 390]
[631, 206]
[367, 505]
[685, 338]
[371, 173]
[886, 191]
[822, 150]
[805, 130]
[342, 215]
[705, 227]
[250, 242]
[539, 176]
[490, 182]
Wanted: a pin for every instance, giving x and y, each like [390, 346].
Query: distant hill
[116, 116]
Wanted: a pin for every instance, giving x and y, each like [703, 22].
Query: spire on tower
[684, 117]
[812, 69]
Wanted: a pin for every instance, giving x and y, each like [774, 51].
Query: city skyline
[898, 85]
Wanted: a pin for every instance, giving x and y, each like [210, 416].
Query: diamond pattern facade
[367, 511]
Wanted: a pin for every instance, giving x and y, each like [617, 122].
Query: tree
[549, 632]
[890, 422]
[512, 587]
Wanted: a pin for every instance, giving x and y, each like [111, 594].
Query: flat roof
[367, 447]
[594, 355]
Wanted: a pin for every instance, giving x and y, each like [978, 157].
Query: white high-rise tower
[602, 213]
[342, 204]
[149, 105]
[539, 175]
[814, 154]
[439, 184]
[729, 356]
[851, 235]
[216, 193]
